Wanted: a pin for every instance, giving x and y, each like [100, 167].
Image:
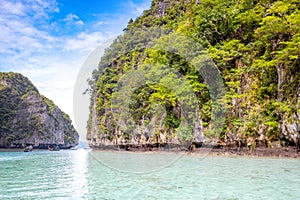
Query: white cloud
[79, 22]
[73, 19]
[41, 8]
[19, 32]
[15, 8]
[100, 23]
[84, 41]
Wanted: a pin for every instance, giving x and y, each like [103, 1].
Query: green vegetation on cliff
[254, 44]
[26, 117]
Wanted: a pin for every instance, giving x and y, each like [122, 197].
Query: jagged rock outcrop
[27, 117]
[259, 65]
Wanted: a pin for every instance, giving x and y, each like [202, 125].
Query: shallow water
[119, 175]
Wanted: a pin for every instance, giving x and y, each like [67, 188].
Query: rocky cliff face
[27, 117]
[258, 61]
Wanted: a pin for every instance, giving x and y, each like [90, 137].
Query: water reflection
[44, 175]
[79, 172]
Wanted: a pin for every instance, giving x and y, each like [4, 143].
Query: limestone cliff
[253, 44]
[27, 117]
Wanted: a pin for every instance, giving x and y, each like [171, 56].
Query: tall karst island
[137, 97]
[29, 118]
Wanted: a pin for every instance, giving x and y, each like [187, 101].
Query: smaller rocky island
[29, 118]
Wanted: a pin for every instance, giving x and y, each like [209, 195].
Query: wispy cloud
[21, 25]
[73, 19]
[84, 41]
[14, 8]
[100, 23]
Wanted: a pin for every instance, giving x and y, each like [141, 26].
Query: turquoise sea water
[119, 175]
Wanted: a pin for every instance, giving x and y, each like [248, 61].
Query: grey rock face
[26, 117]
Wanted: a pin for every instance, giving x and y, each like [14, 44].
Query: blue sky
[49, 40]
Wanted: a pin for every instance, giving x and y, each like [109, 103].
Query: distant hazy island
[254, 45]
[29, 118]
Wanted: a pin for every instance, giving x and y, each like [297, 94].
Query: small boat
[53, 148]
[28, 149]
[74, 148]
